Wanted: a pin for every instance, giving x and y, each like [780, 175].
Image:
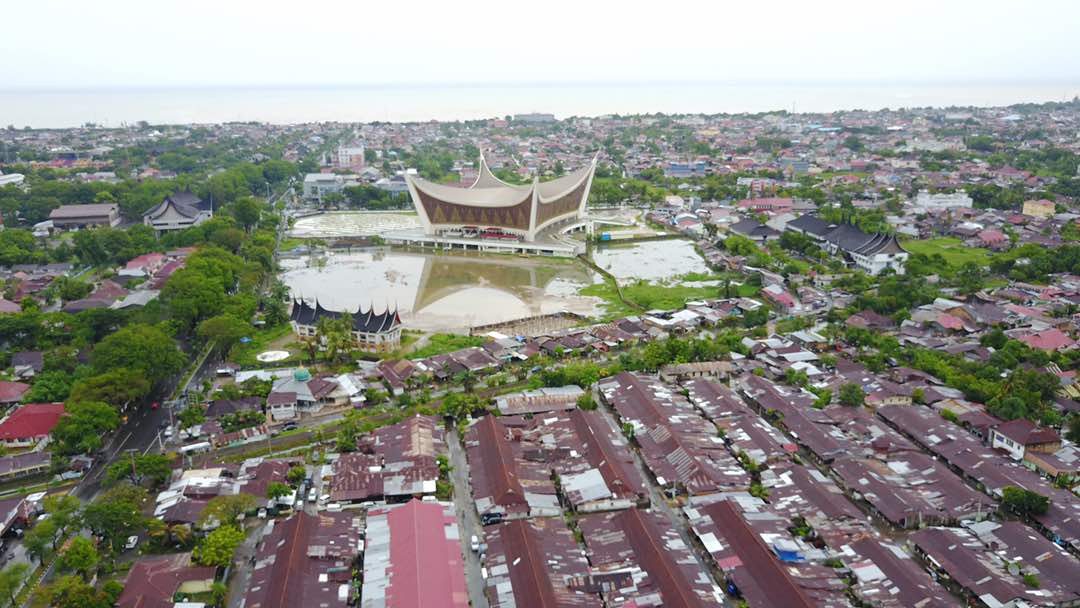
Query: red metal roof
[31, 421]
[426, 568]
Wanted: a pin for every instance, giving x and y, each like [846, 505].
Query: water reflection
[443, 292]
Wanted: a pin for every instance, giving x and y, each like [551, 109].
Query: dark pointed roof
[186, 204]
[811, 224]
[362, 321]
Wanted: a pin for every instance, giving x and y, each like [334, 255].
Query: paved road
[469, 519]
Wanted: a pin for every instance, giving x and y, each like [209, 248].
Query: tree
[81, 430]
[11, 581]
[226, 509]
[142, 348]
[156, 467]
[1024, 502]
[296, 475]
[48, 387]
[969, 278]
[247, 212]
[852, 395]
[223, 330]
[73, 592]
[586, 401]
[1073, 432]
[116, 515]
[63, 511]
[276, 490]
[190, 416]
[193, 296]
[40, 539]
[218, 548]
[118, 387]
[80, 557]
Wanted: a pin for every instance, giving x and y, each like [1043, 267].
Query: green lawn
[439, 344]
[955, 252]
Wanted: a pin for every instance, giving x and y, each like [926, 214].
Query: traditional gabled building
[873, 253]
[379, 332]
[178, 211]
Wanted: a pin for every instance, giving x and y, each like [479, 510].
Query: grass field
[955, 252]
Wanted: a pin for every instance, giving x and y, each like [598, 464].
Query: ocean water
[113, 107]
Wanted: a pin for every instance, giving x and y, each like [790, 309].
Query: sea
[58, 108]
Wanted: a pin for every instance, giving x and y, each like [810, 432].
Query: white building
[939, 202]
[13, 179]
[318, 185]
[351, 157]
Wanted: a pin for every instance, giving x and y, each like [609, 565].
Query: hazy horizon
[242, 43]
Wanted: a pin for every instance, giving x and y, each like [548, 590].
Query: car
[488, 519]
[168, 431]
[312, 495]
[155, 405]
[474, 543]
[131, 543]
[289, 426]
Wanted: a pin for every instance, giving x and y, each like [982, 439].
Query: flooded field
[442, 292]
[353, 223]
[653, 261]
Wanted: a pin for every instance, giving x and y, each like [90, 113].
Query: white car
[474, 543]
[312, 495]
[131, 543]
[168, 432]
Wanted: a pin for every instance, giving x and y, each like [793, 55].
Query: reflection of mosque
[522, 278]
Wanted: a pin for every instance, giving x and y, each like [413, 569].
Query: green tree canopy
[80, 556]
[81, 430]
[141, 348]
[218, 548]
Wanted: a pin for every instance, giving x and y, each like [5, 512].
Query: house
[12, 392]
[299, 392]
[30, 424]
[1021, 435]
[1048, 340]
[306, 560]
[178, 211]
[26, 364]
[754, 230]
[413, 557]
[143, 266]
[154, 582]
[78, 217]
[1042, 209]
[23, 465]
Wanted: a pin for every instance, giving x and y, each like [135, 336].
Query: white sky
[152, 43]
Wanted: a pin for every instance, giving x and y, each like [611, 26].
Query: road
[468, 518]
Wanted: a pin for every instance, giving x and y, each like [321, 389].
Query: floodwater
[653, 261]
[353, 223]
[442, 292]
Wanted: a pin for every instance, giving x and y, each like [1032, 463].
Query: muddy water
[653, 261]
[442, 292]
[353, 223]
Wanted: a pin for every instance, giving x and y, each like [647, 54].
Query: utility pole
[131, 452]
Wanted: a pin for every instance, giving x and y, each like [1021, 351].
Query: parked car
[488, 519]
[474, 543]
[131, 543]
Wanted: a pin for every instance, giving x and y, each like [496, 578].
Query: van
[312, 495]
